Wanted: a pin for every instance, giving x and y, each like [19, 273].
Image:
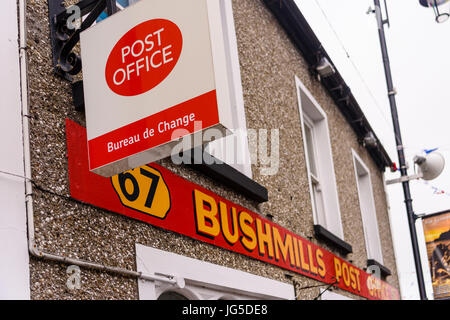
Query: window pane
[310, 150]
[319, 204]
[368, 211]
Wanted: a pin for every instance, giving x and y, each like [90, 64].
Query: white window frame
[368, 209]
[204, 280]
[311, 113]
[238, 156]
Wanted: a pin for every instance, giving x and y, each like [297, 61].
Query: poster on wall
[437, 236]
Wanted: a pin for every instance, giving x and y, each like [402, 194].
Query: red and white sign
[148, 71]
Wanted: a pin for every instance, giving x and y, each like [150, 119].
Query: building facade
[317, 173]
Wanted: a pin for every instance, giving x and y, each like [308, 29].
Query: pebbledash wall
[269, 64]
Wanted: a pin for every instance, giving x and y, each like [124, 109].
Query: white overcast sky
[419, 53]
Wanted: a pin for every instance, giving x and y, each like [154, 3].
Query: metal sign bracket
[64, 36]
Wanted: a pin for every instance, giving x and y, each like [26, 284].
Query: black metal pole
[400, 151]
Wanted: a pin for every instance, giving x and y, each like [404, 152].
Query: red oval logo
[143, 57]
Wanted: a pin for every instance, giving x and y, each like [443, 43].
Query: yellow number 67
[143, 189]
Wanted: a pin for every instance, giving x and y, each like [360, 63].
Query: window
[368, 212]
[204, 280]
[319, 163]
[317, 195]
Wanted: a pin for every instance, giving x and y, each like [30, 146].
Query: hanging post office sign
[154, 73]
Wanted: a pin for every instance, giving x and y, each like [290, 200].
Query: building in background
[307, 217]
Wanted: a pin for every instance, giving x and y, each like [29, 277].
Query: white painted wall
[14, 263]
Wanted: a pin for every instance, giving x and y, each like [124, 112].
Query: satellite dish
[430, 165]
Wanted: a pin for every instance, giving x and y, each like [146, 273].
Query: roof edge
[301, 34]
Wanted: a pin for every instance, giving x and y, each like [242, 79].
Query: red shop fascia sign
[159, 197]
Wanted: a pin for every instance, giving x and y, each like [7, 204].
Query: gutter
[33, 249]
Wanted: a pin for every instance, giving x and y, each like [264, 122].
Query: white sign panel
[153, 73]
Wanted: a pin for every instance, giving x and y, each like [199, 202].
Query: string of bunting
[436, 190]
